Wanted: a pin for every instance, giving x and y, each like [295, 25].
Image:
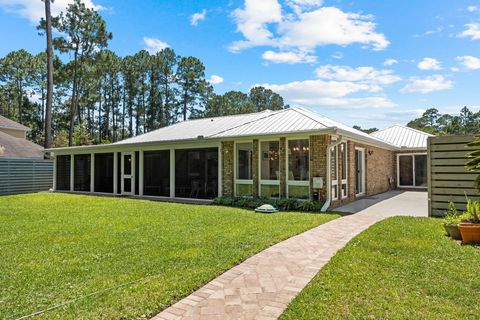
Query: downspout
[328, 183]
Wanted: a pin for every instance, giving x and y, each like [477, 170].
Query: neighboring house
[411, 164]
[13, 142]
[291, 153]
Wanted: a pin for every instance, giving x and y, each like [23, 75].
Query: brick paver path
[263, 285]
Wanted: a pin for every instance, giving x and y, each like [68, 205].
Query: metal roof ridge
[268, 114]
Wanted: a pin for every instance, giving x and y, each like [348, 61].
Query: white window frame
[305, 183]
[267, 181]
[334, 183]
[235, 168]
[413, 154]
[345, 181]
[364, 169]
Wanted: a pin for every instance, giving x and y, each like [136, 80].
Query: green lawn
[401, 268]
[58, 247]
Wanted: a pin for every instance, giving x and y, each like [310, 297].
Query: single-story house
[14, 143]
[290, 153]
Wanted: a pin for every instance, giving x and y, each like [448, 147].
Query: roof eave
[368, 140]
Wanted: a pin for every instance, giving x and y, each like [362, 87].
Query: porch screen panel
[343, 166]
[196, 173]
[406, 170]
[244, 169]
[156, 173]
[63, 173]
[119, 173]
[103, 172]
[81, 167]
[420, 170]
[270, 169]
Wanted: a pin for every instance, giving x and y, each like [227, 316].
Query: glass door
[128, 163]
[360, 171]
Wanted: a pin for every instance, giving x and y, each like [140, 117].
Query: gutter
[328, 183]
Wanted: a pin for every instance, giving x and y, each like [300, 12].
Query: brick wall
[227, 167]
[255, 168]
[318, 162]
[283, 169]
[380, 164]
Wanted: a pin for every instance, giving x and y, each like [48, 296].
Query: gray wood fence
[448, 179]
[23, 175]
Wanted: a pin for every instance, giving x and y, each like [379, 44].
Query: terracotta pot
[453, 231]
[470, 232]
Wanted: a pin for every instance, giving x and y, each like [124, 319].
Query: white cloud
[214, 79]
[290, 57]
[472, 30]
[262, 24]
[330, 25]
[197, 17]
[252, 23]
[454, 69]
[34, 10]
[432, 83]
[390, 62]
[337, 55]
[368, 75]
[429, 64]
[472, 8]
[300, 5]
[153, 45]
[469, 62]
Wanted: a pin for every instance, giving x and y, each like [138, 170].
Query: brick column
[227, 167]
[352, 174]
[318, 162]
[255, 168]
[283, 170]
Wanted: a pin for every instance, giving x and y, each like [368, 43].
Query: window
[156, 173]
[63, 172]
[334, 172]
[298, 177]
[81, 177]
[244, 173]
[412, 170]
[298, 152]
[270, 169]
[343, 166]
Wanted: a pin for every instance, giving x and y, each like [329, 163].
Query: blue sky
[372, 63]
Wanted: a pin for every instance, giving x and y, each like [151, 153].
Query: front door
[360, 171]
[128, 163]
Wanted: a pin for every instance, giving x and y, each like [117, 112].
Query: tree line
[100, 97]
[434, 122]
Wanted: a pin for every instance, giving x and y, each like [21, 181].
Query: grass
[59, 247]
[401, 268]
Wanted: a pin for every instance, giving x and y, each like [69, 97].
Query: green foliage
[432, 121]
[472, 214]
[281, 204]
[473, 164]
[452, 215]
[57, 247]
[369, 130]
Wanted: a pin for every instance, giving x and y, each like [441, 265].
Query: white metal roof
[403, 137]
[285, 121]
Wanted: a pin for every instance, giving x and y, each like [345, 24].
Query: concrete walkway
[263, 285]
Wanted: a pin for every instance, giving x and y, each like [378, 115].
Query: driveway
[262, 286]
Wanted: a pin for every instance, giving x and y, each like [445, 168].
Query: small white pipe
[328, 183]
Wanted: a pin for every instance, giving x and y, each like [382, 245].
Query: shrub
[280, 204]
[452, 216]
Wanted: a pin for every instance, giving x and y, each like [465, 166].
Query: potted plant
[470, 225]
[452, 219]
